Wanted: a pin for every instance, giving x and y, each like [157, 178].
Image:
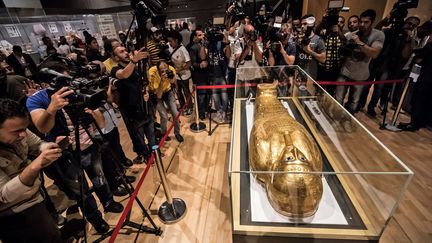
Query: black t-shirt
[130, 92]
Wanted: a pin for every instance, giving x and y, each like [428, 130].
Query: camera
[238, 11]
[214, 34]
[88, 93]
[163, 50]
[332, 14]
[275, 36]
[170, 74]
[400, 11]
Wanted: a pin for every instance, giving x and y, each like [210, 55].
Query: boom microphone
[55, 73]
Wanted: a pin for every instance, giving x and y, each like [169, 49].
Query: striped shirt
[153, 51]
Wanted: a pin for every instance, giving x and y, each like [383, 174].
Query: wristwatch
[362, 44]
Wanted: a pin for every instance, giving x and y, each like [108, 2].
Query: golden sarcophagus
[278, 143]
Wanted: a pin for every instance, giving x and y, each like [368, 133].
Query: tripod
[121, 177]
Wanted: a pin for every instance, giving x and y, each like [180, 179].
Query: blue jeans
[353, 96]
[168, 100]
[220, 96]
[139, 130]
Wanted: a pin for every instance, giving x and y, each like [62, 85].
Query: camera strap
[172, 53]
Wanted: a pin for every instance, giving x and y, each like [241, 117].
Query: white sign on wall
[67, 26]
[12, 30]
[105, 18]
[52, 27]
[108, 30]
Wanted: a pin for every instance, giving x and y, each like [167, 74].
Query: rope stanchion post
[174, 209]
[197, 126]
[392, 126]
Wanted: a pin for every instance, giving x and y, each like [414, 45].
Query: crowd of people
[151, 80]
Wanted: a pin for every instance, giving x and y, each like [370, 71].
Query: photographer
[397, 49]
[180, 58]
[49, 117]
[161, 77]
[23, 215]
[133, 101]
[153, 46]
[333, 39]
[218, 65]
[282, 50]
[197, 53]
[368, 43]
[310, 47]
[252, 47]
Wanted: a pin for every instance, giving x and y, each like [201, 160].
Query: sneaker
[139, 159]
[99, 224]
[179, 138]
[120, 191]
[114, 207]
[127, 163]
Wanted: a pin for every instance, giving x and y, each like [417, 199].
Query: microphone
[73, 48]
[52, 72]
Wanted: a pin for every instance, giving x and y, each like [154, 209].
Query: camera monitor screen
[336, 4]
[218, 20]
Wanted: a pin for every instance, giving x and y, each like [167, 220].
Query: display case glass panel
[355, 188]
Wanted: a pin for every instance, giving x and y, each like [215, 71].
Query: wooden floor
[198, 173]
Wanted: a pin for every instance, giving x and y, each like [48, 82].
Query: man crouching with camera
[161, 77]
[23, 215]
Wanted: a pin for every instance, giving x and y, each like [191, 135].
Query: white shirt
[186, 34]
[179, 59]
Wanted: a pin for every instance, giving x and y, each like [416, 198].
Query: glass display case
[361, 182]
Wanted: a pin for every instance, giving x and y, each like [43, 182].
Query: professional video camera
[86, 82]
[238, 11]
[400, 11]
[332, 14]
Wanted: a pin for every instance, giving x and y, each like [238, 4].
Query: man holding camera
[368, 44]
[282, 52]
[133, 100]
[49, 117]
[23, 215]
[161, 77]
[310, 47]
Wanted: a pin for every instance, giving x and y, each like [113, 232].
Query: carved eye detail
[302, 158]
[290, 158]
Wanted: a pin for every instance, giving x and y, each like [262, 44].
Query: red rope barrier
[140, 182]
[231, 86]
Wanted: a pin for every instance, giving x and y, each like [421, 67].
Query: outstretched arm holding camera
[44, 119]
[134, 59]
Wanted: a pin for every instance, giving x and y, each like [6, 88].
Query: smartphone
[64, 143]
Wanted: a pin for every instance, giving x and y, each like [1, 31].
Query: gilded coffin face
[279, 143]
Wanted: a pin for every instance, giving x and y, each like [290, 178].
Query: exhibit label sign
[12, 30]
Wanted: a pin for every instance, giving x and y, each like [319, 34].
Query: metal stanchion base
[197, 127]
[392, 128]
[170, 214]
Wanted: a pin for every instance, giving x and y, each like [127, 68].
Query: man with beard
[137, 112]
[369, 42]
